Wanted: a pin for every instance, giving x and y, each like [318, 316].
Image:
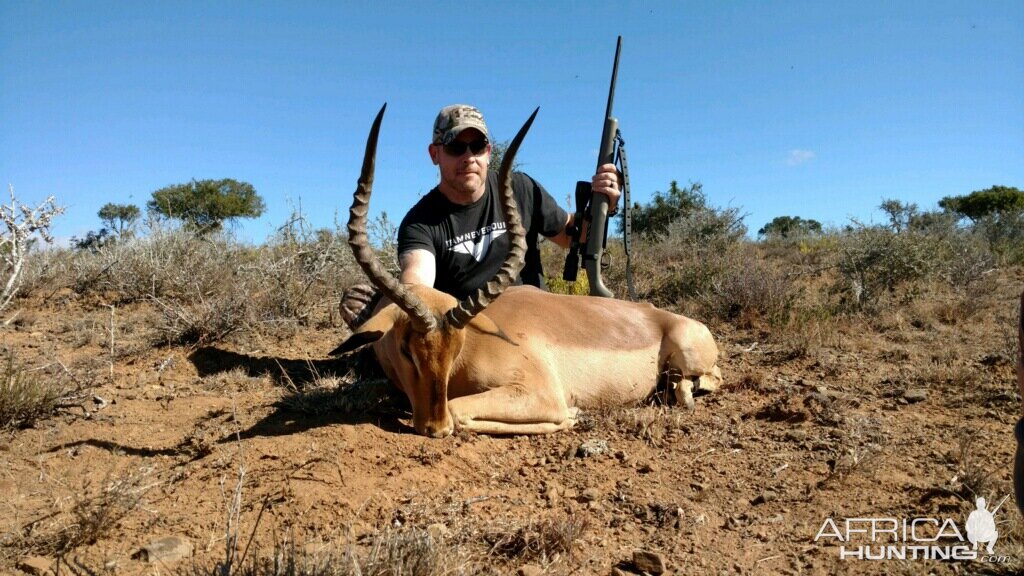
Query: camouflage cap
[452, 120]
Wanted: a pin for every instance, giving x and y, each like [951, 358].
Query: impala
[515, 359]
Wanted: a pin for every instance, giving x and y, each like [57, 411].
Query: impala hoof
[435, 431]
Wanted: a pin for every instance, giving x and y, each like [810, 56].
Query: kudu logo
[888, 538]
[477, 244]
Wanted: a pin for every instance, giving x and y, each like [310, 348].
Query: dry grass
[409, 552]
[545, 540]
[859, 450]
[87, 515]
[972, 478]
[212, 286]
[30, 394]
[654, 425]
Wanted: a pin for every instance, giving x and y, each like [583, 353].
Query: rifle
[594, 208]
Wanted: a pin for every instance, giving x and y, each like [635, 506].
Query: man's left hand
[606, 182]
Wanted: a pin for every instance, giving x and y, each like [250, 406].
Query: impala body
[532, 359]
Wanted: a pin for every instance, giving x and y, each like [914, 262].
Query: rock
[616, 571]
[590, 495]
[36, 565]
[796, 435]
[914, 395]
[551, 495]
[437, 531]
[650, 562]
[553, 485]
[529, 570]
[592, 448]
[166, 549]
[765, 497]
[647, 468]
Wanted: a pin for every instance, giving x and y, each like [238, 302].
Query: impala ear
[369, 332]
[481, 323]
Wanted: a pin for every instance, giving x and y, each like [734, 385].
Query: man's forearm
[562, 238]
[417, 267]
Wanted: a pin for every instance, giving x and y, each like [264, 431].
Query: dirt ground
[261, 443]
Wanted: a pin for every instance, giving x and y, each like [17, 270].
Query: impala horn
[420, 316]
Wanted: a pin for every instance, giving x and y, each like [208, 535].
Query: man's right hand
[357, 304]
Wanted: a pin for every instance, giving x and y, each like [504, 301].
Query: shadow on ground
[358, 394]
[364, 395]
[297, 374]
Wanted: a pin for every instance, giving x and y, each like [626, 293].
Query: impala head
[418, 336]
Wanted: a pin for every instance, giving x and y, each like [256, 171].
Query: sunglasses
[458, 148]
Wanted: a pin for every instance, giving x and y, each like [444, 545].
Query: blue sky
[811, 109]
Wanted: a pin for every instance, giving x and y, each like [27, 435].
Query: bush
[208, 286]
[751, 289]
[690, 259]
[874, 261]
[299, 273]
[1004, 234]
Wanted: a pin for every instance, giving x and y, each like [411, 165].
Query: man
[454, 239]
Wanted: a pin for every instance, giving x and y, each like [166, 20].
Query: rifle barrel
[615, 75]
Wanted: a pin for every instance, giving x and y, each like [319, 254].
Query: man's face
[465, 174]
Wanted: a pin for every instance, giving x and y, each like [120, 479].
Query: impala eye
[404, 348]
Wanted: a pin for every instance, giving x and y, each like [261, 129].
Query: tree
[119, 218]
[666, 207]
[21, 224]
[206, 204]
[498, 150]
[789, 227]
[93, 240]
[995, 201]
[901, 214]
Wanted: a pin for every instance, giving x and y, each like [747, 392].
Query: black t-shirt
[469, 243]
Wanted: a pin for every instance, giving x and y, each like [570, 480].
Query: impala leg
[512, 410]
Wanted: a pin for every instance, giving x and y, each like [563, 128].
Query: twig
[474, 500]
[111, 306]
